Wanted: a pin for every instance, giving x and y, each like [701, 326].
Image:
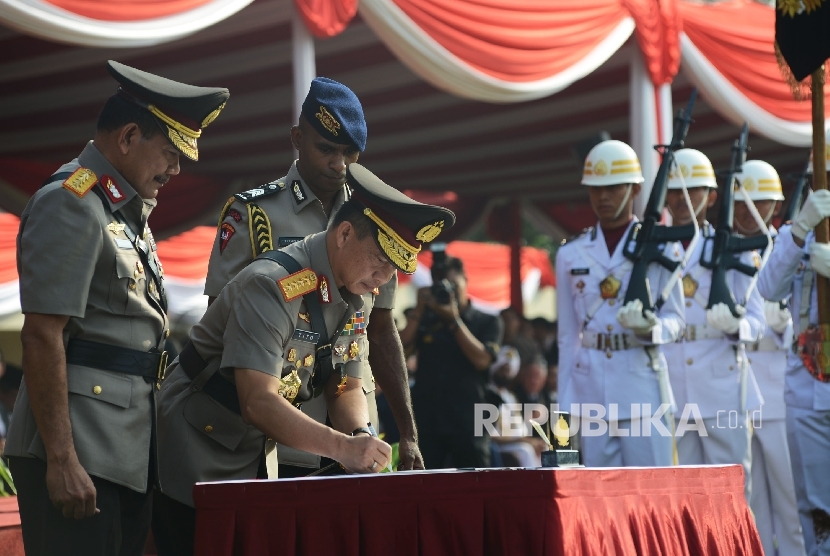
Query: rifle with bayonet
[646, 240]
[798, 194]
[726, 246]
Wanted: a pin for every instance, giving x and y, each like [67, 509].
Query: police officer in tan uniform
[330, 134]
[80, 442]
[277, 335]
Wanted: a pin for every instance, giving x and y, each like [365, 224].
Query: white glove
[721, 317]
[777, 318]
[820, 258]
[631, 316]
[815, 209]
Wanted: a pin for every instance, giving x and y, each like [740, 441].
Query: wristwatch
[362, 430]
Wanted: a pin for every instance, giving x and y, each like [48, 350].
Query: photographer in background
[456, 344]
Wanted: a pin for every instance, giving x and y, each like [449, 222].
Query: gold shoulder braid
[224, 212]
[260, 230]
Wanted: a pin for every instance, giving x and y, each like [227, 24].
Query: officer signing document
[275, 337]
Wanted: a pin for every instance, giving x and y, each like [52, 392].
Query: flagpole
[820, 182]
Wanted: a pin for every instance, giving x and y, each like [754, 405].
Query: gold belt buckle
[162, 369]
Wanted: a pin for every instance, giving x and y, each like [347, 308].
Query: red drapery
[737, 38]
[525, 40]
[487, 266]
[671, 510]
[326, 18]
[126, 10]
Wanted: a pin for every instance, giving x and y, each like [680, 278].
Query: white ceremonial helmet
[610, 163]
[695, 169]
[761, 182]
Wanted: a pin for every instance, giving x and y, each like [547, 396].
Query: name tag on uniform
[580, 271]
[285, 241]
[306, 336]
[123, 243]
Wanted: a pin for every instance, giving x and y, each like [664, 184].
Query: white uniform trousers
[809, 455]
[773, 493]
[728, 441]
[655, 450]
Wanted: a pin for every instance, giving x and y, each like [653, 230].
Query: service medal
[292, 355]
[308, 360]
[354, 349]
[689, 286]
[610, 287]
[340, 350]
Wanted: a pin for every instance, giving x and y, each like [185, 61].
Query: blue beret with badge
[334, 111]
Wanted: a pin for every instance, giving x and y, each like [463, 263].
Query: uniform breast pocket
[128, 285]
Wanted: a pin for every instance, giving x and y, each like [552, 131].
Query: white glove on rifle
[820, 257]
[721, 317]
[815, 209]
[777, 318]
[631, 316]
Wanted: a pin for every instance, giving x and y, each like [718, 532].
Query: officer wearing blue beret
[330, 135]
[80, 442]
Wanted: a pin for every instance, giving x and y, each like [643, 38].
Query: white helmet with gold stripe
[610, 163]
[694, 167]
[761, 182]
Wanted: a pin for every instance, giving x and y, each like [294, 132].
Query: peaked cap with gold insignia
[400, 224]
[335, 112]
[181, 110]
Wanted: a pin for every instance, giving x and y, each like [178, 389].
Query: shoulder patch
[579, 235]
[263, 191]
[81, 181]
[224, 212]
[259, 227]
[297, 284]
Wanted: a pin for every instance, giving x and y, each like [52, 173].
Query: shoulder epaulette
[589, 230]
[81, 181]
[297, 284]
[263, 191]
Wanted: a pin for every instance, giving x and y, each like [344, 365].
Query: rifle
[725, 244]
[798, 194]
[646, 239]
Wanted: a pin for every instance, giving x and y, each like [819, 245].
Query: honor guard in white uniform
[608, 354]
[773, 494]
[330, 134]
[791, 273]
[710, 375]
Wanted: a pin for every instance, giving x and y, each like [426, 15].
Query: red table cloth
[637, 511]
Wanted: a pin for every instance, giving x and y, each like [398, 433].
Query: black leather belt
[217, 387]
[148, 364]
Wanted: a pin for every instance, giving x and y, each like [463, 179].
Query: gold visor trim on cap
[185, 144]
[213, 115]
[181, 128]
[430, 231]
[402, 254]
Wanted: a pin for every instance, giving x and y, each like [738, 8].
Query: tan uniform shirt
[75, 259]
[271, 217]
[251, 326]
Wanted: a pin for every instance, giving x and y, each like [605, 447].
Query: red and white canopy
[447, 88]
